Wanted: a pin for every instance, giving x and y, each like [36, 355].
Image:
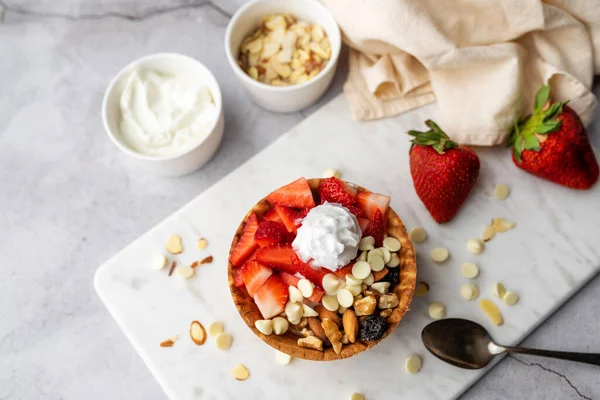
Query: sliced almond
[469, 270]
[418, 235]
[202, 243]
[253, 72]
[502, 225]
[269, 50]
[285, 56]
[421, 289]
[501, 191]
[254, 47]
[197, 333]
[498, 290]
[240, 372]
[169, 342]
[439, 254]
[289, 40]
[491, 311]
[276, 22]
[206, 260]
[317, 33]
[174, 245]
[488, 233]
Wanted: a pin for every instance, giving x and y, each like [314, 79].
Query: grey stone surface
[69, 200]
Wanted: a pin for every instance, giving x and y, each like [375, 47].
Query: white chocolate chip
[377, 263]
[201, 244]
[331, 283]
[308, 312]
[351, 280]
[282, 358]
[240, 372]
[306, 287]
[421, 289]
[439, 254]
[215, 328]
[294, 295]
[437, 310]
[469, 270]
[501, 191]
[367, 243]
[510, 298]
[412, 364]
[361, 269]
[391, 243]
[475, 246]
[355, 290]
[280, 325]
[345, 298]
[264, 326]
[488, 233]
[469, 292]
[357, 396]
[498, 290]
[331, 172]
[293, 311]
[394, 261]
[381, 287]
[362, 257]
[418, 235]
[330, 302]
[372, 253]
[185, 272]
[385, 253]
[223, 341]
[502, 225]
[159, 261]
[369, 279]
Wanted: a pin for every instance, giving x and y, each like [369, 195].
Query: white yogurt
[329, 235]
[164, 115]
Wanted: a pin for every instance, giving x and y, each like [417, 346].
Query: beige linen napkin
[482, 60]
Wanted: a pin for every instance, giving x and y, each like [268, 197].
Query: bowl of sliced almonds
[283, 52]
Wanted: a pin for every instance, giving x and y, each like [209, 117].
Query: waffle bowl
[287, 343]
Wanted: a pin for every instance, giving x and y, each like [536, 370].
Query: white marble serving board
[551, 253]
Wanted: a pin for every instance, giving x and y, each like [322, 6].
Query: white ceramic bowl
[282, 98]
[168, 64]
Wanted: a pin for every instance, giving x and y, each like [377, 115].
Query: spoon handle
[588, 358]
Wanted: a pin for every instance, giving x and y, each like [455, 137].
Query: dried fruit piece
[388, 301]
[502, 225]
[350, 323]
[510, 298]
[498, 290]
[421, 289]
[372, 328]
[437, 310]
[469, 270]
[475, 246]
[491, 311]
[159, 261]
[333, 333]
[169, 342]
[215, 328]
[240, 372]
[418, 235]
[311, 342]
[488, 233]
[412, 364]
[439, 254]
[282, 358]
[197, 333]
[501, 191]
[202, 244]
[469, 292]
[223, 341]
[174, 245]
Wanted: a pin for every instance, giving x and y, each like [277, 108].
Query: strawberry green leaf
[532, 143]
[439, 147]
[518, 148]
[434, 137]
[548, 126]
[541, 98]
[517, 154]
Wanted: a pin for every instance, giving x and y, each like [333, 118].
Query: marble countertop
[69, 200]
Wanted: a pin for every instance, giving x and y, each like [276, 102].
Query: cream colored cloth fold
[482, 60]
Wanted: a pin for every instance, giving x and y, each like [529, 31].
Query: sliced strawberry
[272, 215]
[335, 190]
[344, 271]
[254, 275]
[370, 202]
[315, 275]
[290, 217]
[271, 297]
[246, 245]
[292, 280]
[376, 228]
[296, 194]
[278, 257]
[253, 255]
[238, 279]
[356, 210]
[363, 222]
[269, 232]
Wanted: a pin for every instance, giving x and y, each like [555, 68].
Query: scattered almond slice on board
[201, 244]
[501, 225]
[174, 245]
[197, 333]
[501, 191]
[488, 233]
[169, 342]
[492, 312]
[240, 372]
[498, 290]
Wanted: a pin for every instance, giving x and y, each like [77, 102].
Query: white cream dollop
[329, 236]
[164, 115]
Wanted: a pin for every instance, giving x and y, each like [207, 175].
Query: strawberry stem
[434, 137]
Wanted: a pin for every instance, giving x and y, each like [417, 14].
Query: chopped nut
[311, 342]
[333, 333]
[491, 311]
[421, 289]
[488, 233]
[185, 272]
[379, 275]
[350, 322]
[365, 306]
[386, 313]
[345, 339]
[388, 301]
[303, 323]
[502, 225]
[194, 264]
[174, 245]
[307, 332]
[240, 372]
[315, 326]
[324, 313]
[201, 244]
[197, 333]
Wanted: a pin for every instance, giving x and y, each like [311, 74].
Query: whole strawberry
[443, 172]
[552, 143]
